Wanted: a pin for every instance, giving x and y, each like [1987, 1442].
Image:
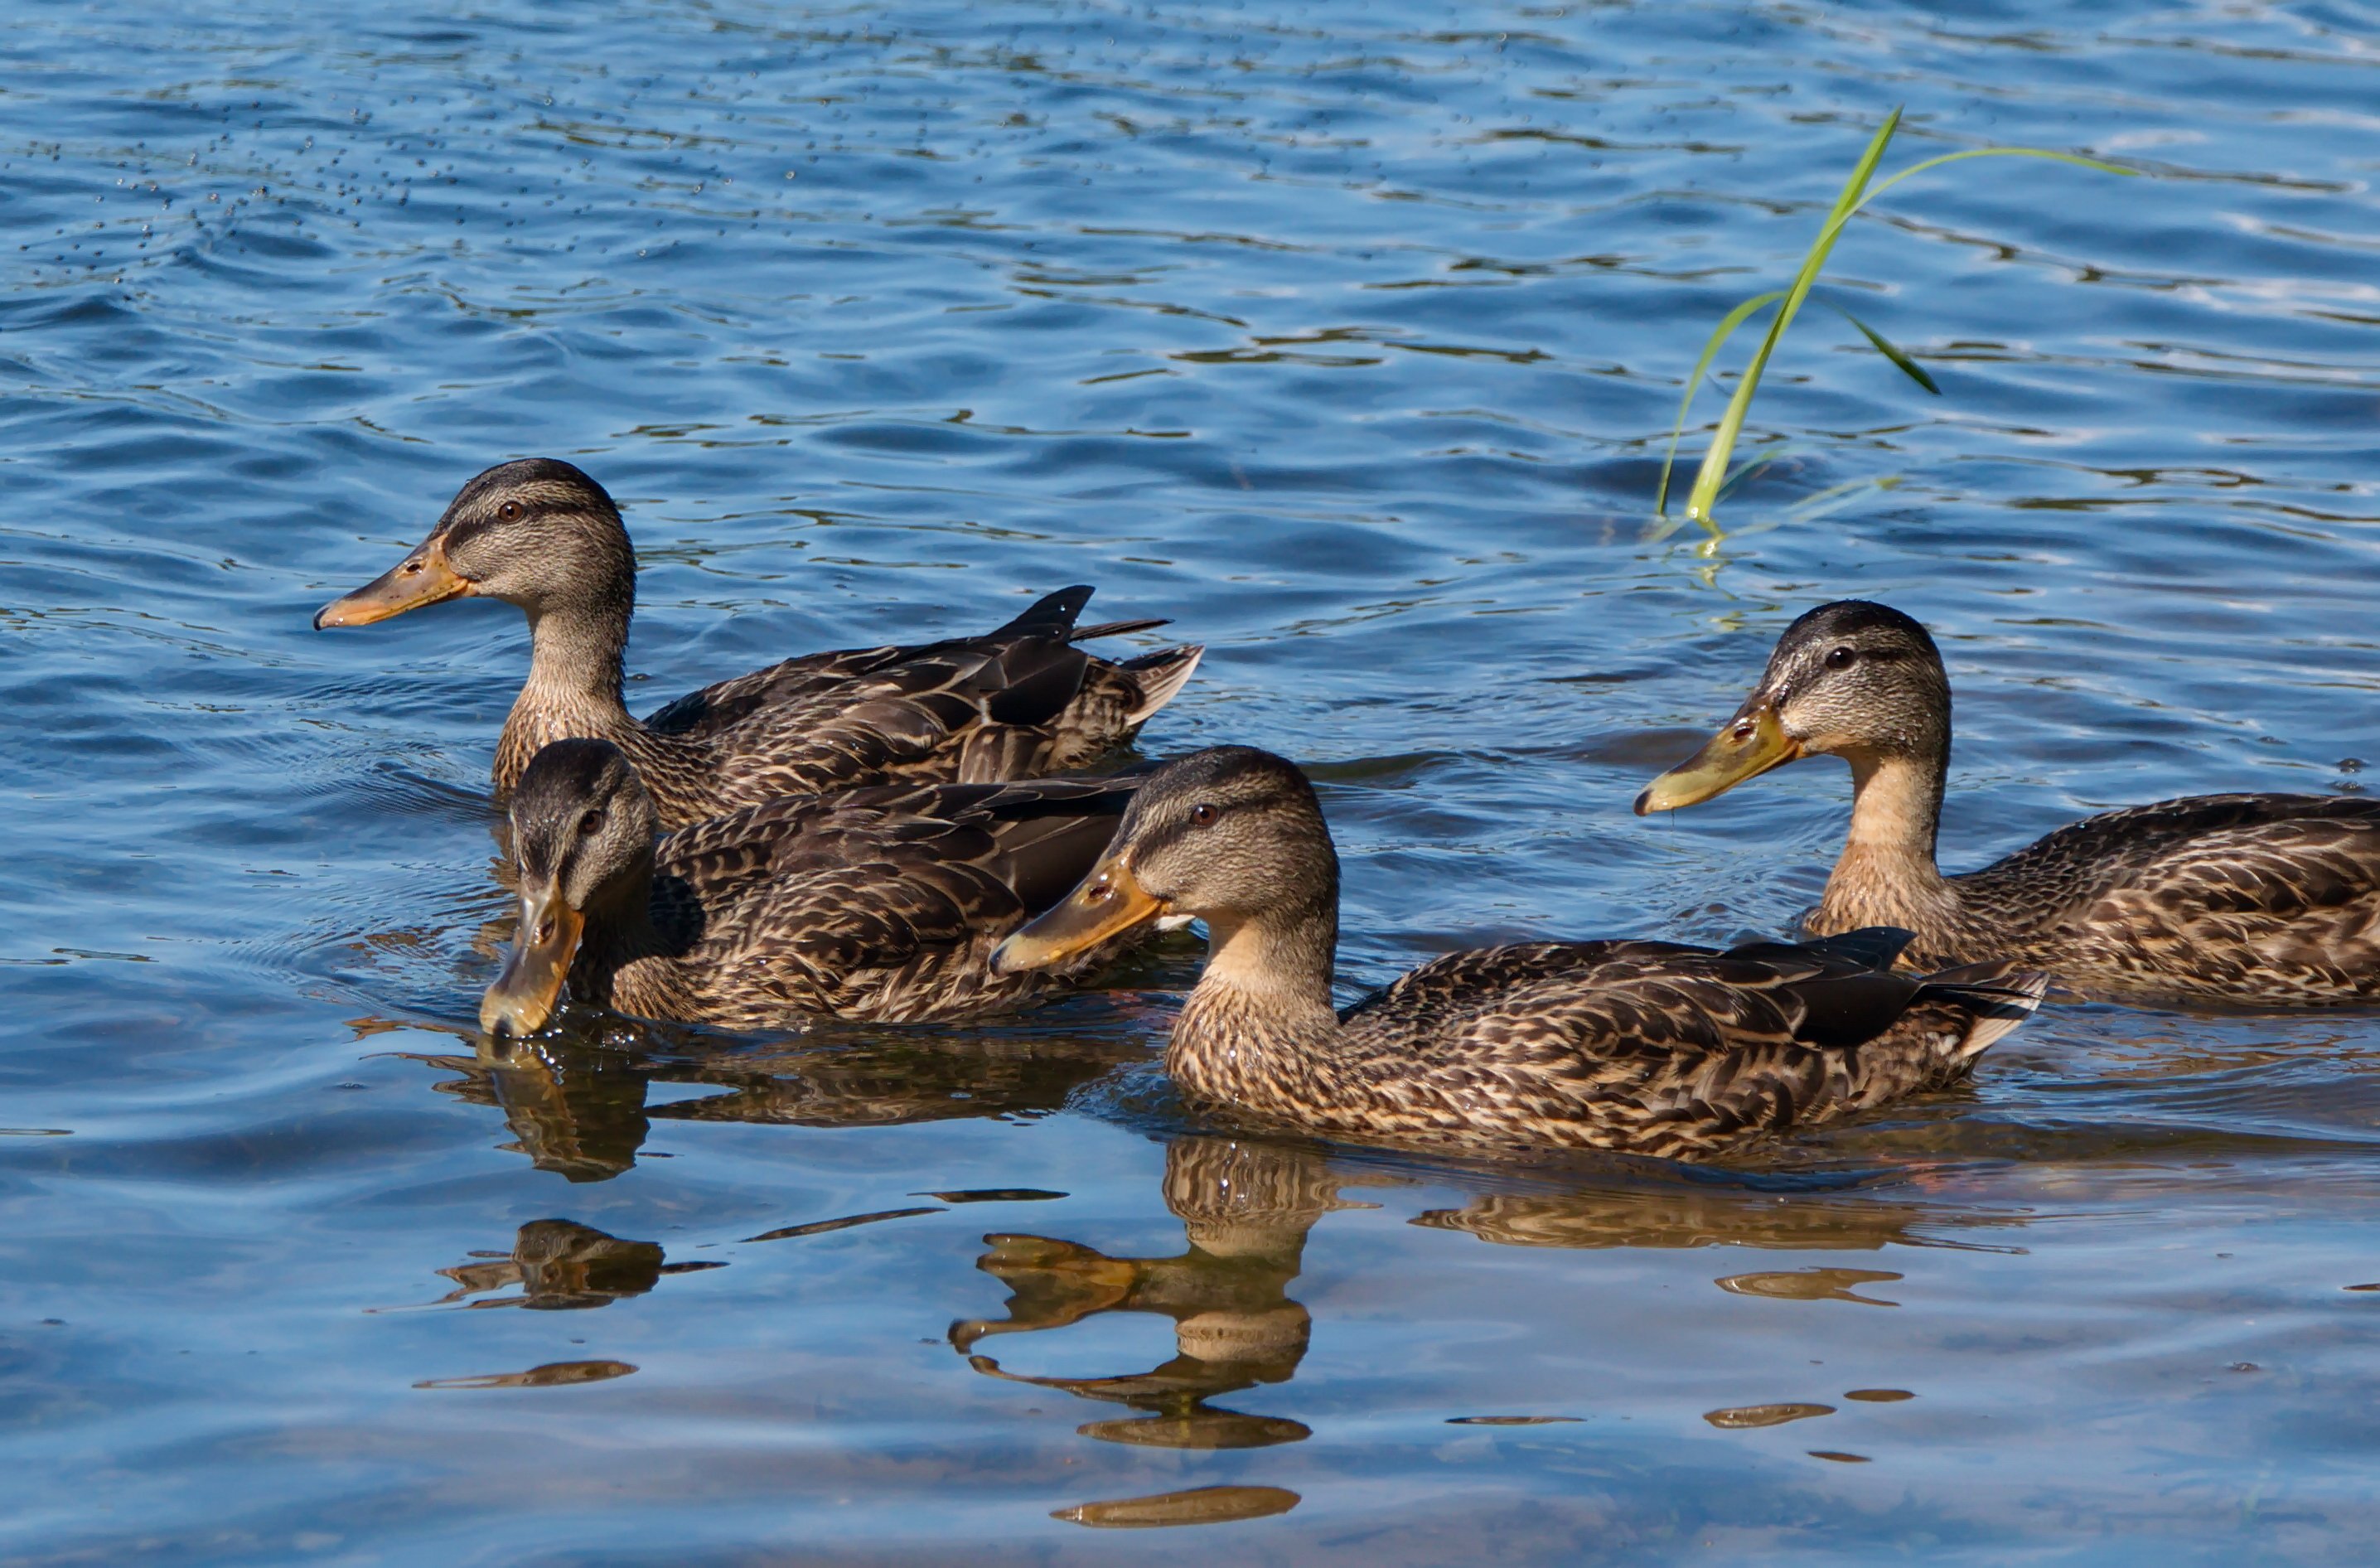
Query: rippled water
[1348, 336]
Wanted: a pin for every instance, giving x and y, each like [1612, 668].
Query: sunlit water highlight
[1348, 336]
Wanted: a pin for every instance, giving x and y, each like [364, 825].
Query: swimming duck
[2258, 899]
[1650, 1047]
[879, 904]
[1014, 703]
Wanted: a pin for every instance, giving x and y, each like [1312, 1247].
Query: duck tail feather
[1873, 947]
[1999, 995]
[1161, 676]
[1119, 628]
[1052, 616]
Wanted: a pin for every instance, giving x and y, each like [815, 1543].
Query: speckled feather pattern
[880, 904]
[1015, 703]
[2272, 898]
[1650, 1048]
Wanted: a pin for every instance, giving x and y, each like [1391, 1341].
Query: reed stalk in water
[1856, 193]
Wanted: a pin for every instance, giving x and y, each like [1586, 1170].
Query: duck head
[582, 849]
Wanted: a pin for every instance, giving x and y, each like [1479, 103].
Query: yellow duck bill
[1107, 902]
[1754, 742]
[526, 994]
[422, 578]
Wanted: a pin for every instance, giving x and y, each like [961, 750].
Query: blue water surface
[1348, 336]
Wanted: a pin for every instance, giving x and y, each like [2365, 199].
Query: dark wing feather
[880, 903]
[1648, 1046]
[1021, 700]
[803, 683]
[719, 707]
[2243, 896]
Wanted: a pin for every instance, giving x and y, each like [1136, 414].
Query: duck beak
[1753, 742]
[422, 578]
[525, 994]
[1107, 902]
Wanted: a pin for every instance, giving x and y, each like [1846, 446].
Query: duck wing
[2271, 896]
[880, 902]
[1022, 700]
[1668, 1049]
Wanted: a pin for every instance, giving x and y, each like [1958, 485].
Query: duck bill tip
[1753, 743]
[1107, 903]
[527, 992]
[422, 578]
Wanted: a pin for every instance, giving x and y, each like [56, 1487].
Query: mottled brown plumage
[2252, 899]
[1650, 1047]
[1017, 702]
[880, 904]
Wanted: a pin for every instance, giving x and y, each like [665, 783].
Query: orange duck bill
[1106, 903]
[422, 578]
[523, 998]
[1753, 742]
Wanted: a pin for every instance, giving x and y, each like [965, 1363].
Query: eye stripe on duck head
[1871, 633]
[1849, 619]
[1224, 779]
[563, 783]
[537, 486]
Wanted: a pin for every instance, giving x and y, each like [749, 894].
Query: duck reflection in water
[576, 1110]
[576, 1104]
[561, 1266]
[1664, 1215]
[1245, 1208]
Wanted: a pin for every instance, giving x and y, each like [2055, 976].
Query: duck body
[1019, 701]
[1642, 1047]
[1645, 1047]
[879, 905]
[2253, 900]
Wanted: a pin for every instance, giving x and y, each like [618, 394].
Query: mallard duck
[2260, 899]
[1014, 704]
[878, 904]
[1650, 1047]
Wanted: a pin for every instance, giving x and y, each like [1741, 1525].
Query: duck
[1021, 702]
[2249, 900]
[1642, 1047]
[880, 904]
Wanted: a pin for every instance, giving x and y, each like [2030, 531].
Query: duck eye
[510, 511]
[590, 824]
[1842, 658]
[1202, 814]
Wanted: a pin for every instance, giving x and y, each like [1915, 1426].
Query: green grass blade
[1726, 329]
[1713, 476]
[1713, 471]
[1824, 503]
[1891, 351]
[1835, 497]
[1762, 457]
[1919, 168]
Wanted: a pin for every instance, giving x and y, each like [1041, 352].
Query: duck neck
[574, 670]
[620, 932]
[578, 652]
[1887, 874]
[1262, 1004]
